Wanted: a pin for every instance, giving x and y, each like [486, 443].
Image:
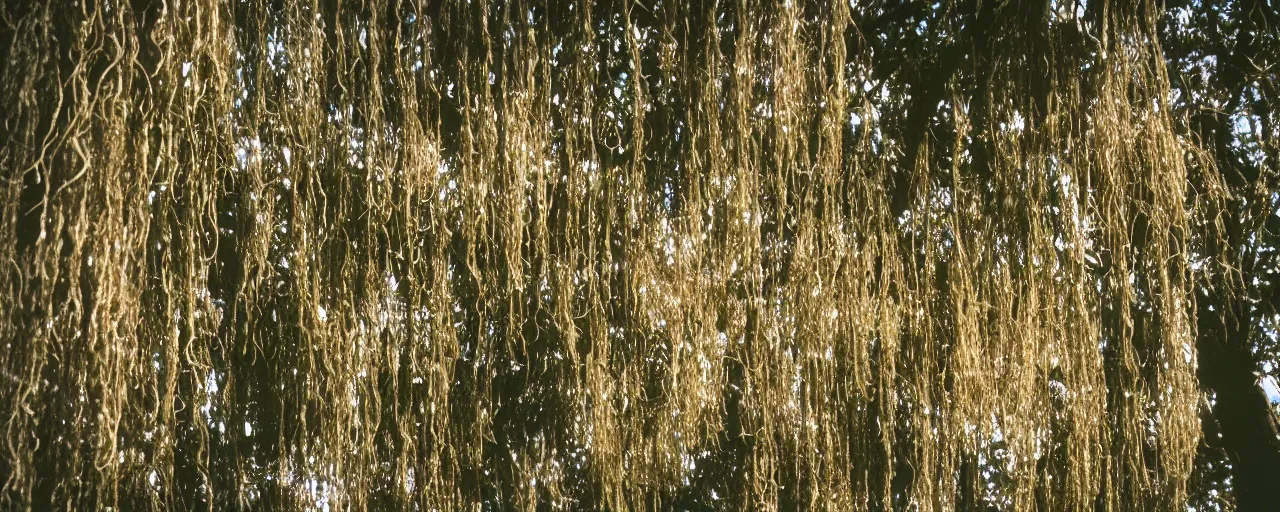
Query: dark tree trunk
[1248, 424]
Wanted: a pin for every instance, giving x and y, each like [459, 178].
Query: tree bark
[1248, 424]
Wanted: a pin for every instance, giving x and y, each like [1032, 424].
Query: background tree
[1222, 60]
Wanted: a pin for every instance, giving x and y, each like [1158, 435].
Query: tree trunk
[1248, 424]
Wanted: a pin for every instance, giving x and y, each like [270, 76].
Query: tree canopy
[639, 254]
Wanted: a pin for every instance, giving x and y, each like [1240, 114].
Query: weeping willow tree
[618, 255]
